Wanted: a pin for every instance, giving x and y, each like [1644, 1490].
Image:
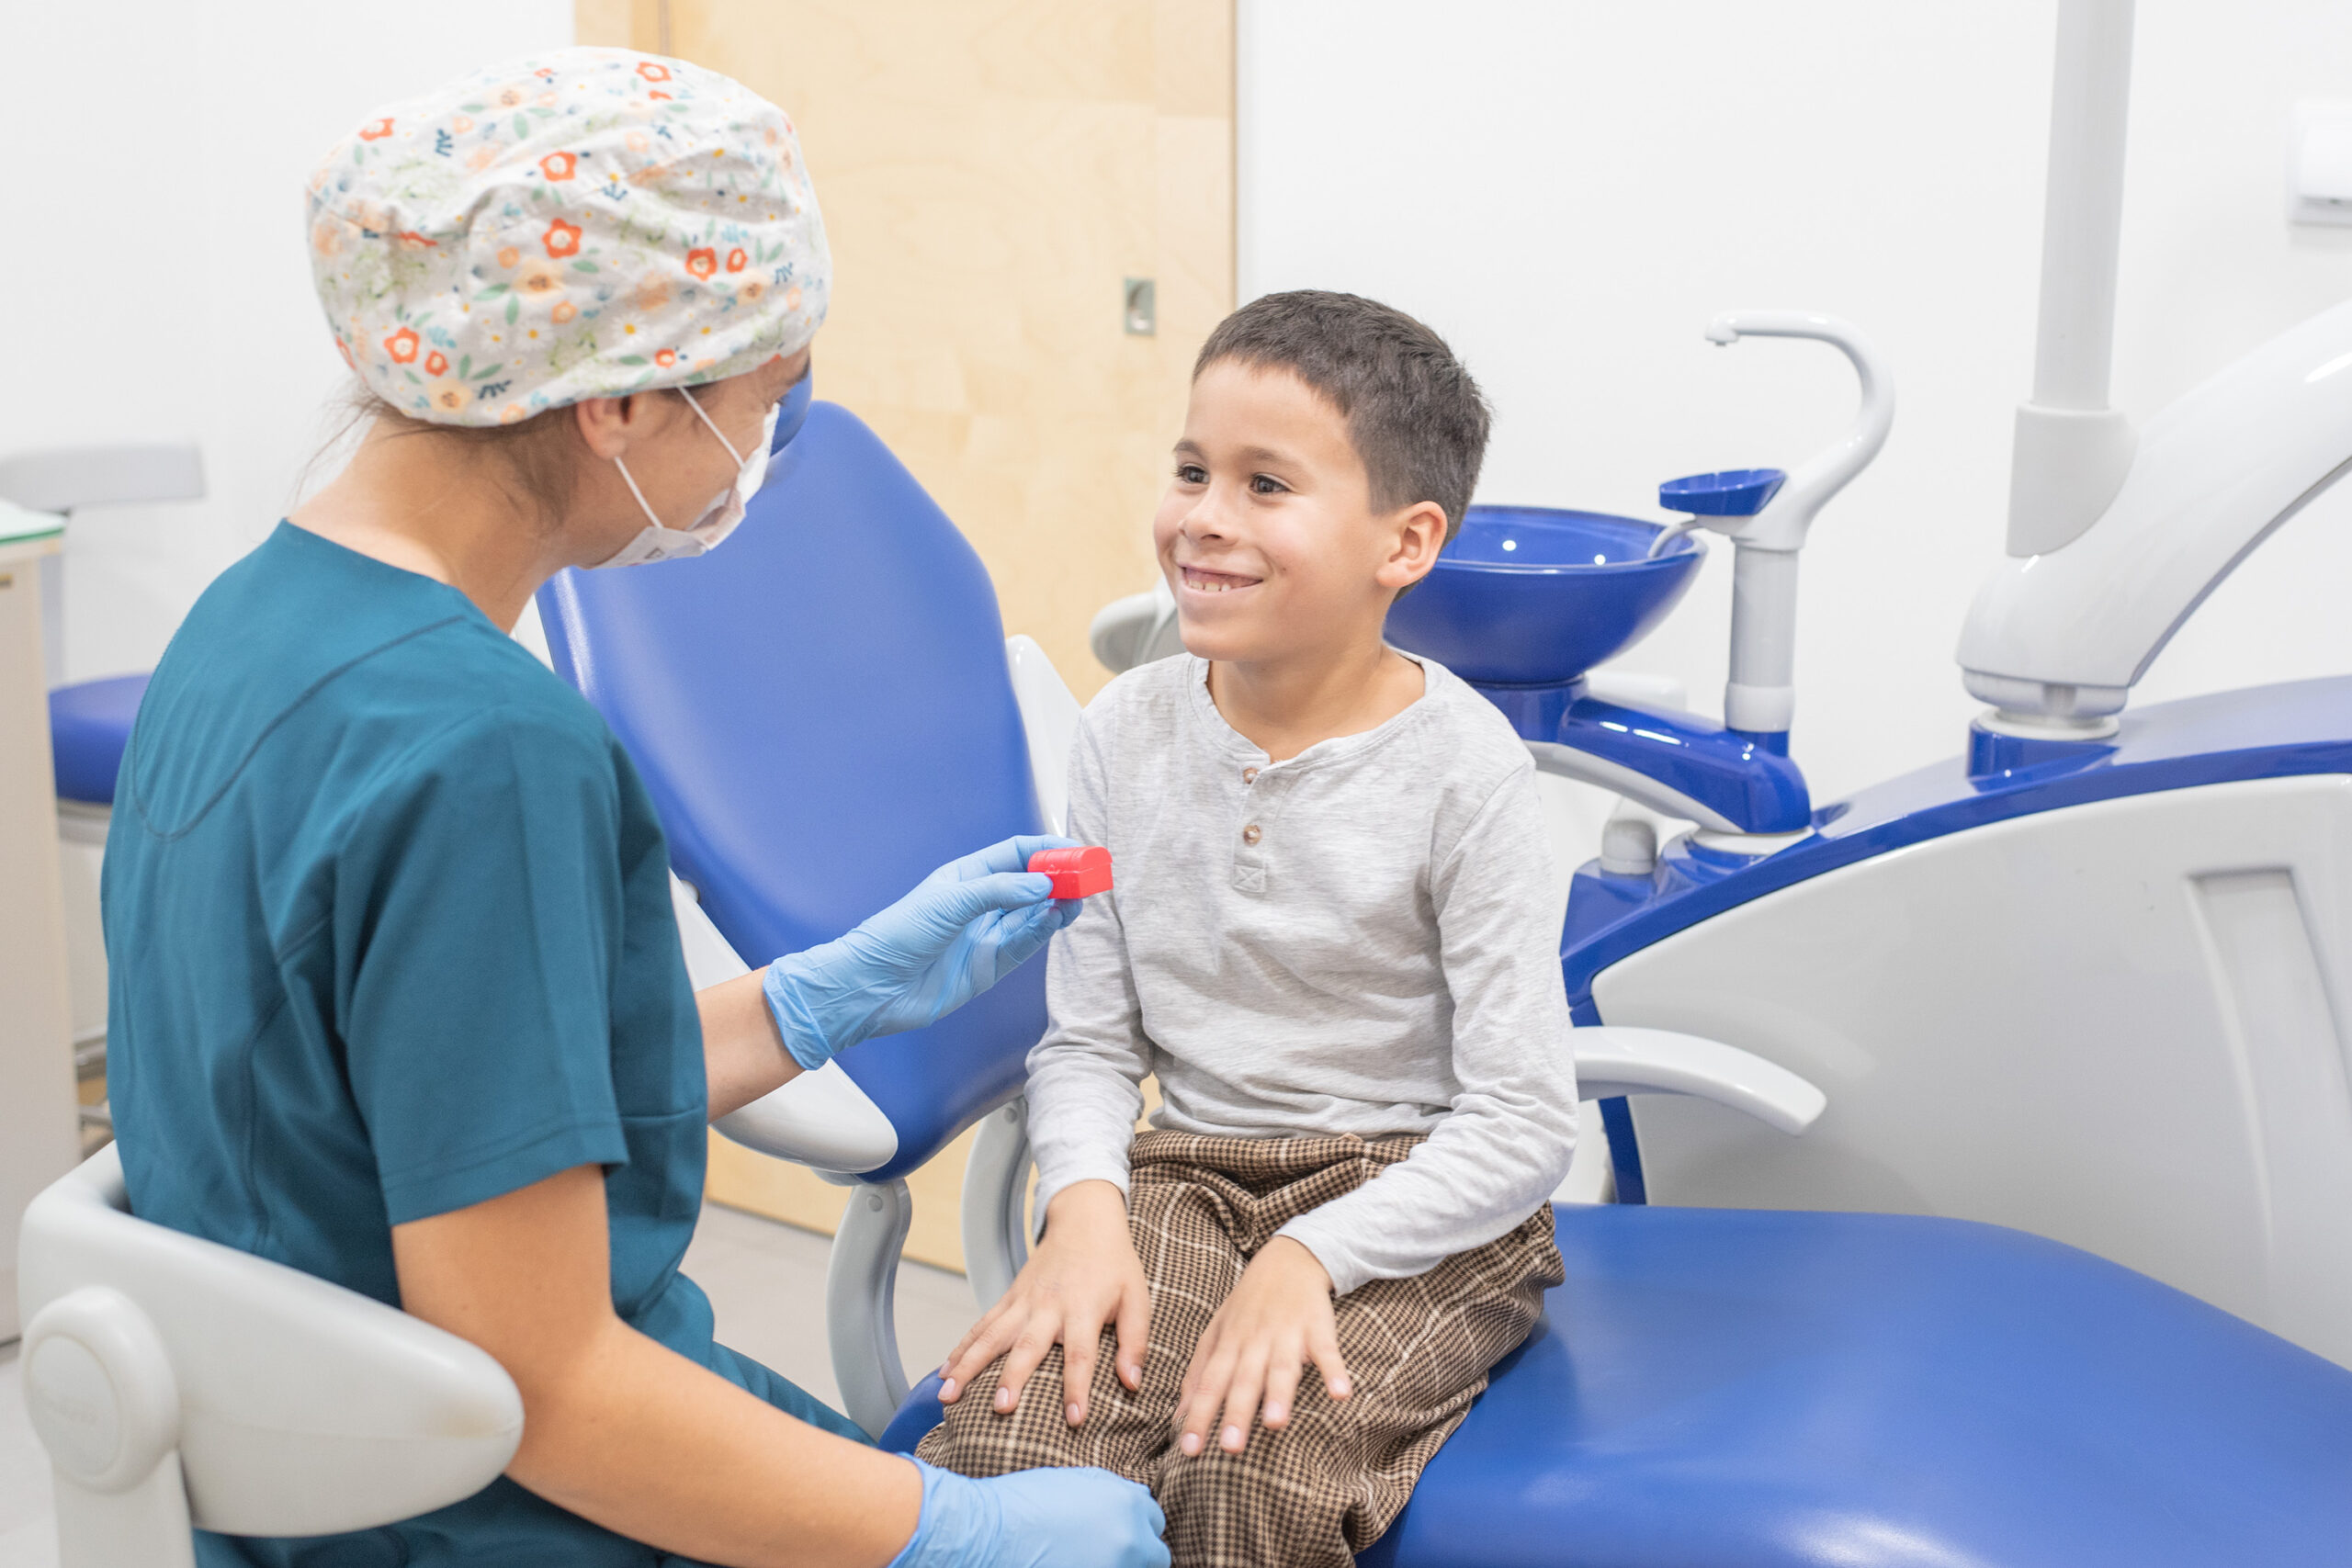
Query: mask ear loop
[696, 406]
[629, 479]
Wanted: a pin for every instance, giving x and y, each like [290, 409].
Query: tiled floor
[766, 1281]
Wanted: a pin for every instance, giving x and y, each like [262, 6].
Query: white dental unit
[2091, 979]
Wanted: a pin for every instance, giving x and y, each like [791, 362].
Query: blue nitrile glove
[1034, 1518]
[965, 927]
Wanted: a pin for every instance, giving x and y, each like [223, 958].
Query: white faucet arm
[1783, 524]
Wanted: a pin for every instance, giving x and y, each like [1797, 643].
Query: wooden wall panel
[992, 170]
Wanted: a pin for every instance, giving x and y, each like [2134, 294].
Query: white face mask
[653, 542]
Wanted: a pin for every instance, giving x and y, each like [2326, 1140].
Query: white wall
[154, 268]
[1569, 190]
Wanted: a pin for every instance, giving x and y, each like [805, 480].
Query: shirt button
[1249, 775]
[1251, 835]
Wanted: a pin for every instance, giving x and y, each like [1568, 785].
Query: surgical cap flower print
[587, 223]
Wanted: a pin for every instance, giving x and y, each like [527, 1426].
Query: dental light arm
[2115, 540]
[2063, 637]
[1760, 697]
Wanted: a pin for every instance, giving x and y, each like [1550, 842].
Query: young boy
[1333, 940]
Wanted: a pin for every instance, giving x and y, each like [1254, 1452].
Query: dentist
[396, 996]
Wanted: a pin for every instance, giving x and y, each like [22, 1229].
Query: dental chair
[825, 710]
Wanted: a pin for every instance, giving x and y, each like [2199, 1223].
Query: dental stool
[177, 1384]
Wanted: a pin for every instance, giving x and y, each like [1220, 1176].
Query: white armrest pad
[821, 1120]
[1612, 1060]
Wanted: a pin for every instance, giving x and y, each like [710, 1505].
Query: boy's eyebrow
[1189, 449]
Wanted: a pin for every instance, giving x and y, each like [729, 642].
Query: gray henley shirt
[1360, 940]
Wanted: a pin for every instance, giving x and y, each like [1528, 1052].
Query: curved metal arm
[861, 1303]
[1614, 1060]
[996, 1186]
[1761, 697]
[1782, 524]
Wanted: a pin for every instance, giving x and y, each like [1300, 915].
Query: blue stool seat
[89, 723]
[1715, 1387]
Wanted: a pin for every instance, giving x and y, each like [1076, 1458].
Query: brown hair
[540, 455]
[1415, 418]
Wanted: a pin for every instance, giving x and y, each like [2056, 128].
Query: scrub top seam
[168, 835]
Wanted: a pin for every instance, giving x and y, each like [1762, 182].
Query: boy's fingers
[1208, 1394]
[1029, 1348]
[974, 1335]
[1242, 1402]
[1282, 1386]
[1078, 1367]
[981, 1346]
[1134, 1335]
[1323, 1349]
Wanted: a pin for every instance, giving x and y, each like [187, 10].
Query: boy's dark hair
[1415, 416]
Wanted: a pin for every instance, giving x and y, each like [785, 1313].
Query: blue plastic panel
[823, 713]
[89, 724]
[2303, 726]
[1718, 1389]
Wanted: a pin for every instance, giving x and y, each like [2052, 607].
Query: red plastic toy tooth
[1078, 873]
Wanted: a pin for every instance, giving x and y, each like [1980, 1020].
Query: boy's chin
[1226, 640]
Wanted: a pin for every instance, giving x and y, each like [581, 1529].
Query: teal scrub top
[389, 929]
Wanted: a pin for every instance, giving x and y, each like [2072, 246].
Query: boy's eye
[1266, 484]
[1192, 474]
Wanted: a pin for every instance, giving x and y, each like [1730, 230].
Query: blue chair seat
[1716, 1387]
[89, 724]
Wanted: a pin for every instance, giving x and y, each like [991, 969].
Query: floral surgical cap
[586, 224]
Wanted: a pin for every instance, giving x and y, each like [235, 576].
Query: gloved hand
[965, 927]
[1034, 1518]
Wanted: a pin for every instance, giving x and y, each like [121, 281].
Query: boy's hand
[1278, 1319]
[1083, 1275]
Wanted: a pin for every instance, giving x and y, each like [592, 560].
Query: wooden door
[993, 174]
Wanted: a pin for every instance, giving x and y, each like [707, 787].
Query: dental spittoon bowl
[1531, 595]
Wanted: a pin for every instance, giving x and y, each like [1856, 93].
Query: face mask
[653, 542]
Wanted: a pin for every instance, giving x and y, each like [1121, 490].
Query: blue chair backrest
[823, 715]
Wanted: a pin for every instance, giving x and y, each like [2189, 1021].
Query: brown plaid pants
[1327, 1484]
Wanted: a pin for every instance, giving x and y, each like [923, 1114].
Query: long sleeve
[1504, 1146]
[1086, 1074]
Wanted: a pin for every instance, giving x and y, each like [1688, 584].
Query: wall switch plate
[2319, 165]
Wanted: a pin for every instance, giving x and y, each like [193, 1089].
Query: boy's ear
[1420, 535]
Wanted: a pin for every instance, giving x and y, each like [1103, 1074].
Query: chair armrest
[1050, 715]
[821, 1120]
[296, 1407]
[1614, 1060]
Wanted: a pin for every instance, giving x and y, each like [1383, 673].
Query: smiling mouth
[1205, 581]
